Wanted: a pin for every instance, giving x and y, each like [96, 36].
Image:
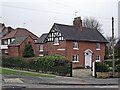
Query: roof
[74, 34]
[18, 41]
[42, 38]
[20, 32]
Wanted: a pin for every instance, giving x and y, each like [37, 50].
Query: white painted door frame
[88, 57]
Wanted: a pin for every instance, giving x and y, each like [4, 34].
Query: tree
[92, 23]
[109, 45]
[28, 51]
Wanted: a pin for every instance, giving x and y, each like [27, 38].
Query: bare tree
[92, 23]
[109, 45]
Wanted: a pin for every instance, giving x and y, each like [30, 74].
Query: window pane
[41, 47]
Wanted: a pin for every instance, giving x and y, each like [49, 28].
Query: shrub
[28, 51]
[54, 64]
[102, 67]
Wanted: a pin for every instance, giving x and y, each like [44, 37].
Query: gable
[54, 32]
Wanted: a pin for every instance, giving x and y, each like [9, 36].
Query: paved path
[82, 73]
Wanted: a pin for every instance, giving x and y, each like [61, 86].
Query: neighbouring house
[79, 44]
[17, 39]
[16, 47]
[4, 31]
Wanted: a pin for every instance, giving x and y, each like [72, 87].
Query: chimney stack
[78, 23]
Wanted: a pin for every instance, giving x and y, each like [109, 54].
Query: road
[10, 81]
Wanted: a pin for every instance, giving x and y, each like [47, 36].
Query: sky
[38, 16]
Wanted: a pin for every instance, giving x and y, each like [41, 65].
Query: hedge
[53, 64]
[101, 67]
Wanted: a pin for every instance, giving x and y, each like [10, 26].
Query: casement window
[75, 45]
[41, 48]
[56, 41]
[6, 51]
[5, 42]
[75, 58]
[97, 46]
[97, 58]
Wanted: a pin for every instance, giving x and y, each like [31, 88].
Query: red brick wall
[69, 51]
[14, 51]
[22, 46]
[82, 47]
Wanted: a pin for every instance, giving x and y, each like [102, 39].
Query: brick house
[4, 31]
[79, 44]
[15, 41]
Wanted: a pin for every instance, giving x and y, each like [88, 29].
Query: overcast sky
[39, 15]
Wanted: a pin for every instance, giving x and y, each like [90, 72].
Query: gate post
[70, 69]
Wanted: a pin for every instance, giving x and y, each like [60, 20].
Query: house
[79, 44]
[16, 47]
[17, 39]
[4, 31]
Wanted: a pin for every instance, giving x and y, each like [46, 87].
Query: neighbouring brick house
[4, 31]
[79, 44]
[14, 42]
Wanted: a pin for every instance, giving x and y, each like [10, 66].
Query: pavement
[58, 82]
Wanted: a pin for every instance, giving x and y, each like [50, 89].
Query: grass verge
[6, 71]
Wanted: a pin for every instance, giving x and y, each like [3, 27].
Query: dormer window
[56, 41]
[97, 46]
[75, 45]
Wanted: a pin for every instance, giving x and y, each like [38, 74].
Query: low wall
[107, 74]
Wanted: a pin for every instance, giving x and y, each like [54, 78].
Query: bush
[102, 67]
[54, 64]
[28, 51]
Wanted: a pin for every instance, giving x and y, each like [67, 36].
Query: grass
[6, 71]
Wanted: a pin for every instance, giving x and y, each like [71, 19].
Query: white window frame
[6, 51]
[75, 45]
[98, 46]
[56, 42]
[41, 48]
[98, 58]
[41, 55]
[75, 58]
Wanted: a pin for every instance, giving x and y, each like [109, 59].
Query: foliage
[28, 51]
[54, 64]
[102, 67]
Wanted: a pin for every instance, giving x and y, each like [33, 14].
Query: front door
[88, 58]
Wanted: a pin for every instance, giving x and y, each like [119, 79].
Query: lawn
[6, 71]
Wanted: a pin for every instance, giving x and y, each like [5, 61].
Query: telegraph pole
[113, 46]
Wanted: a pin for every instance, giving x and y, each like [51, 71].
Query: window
[29, 43]
[75, 45]
[6, 51]
[56, 41]
[41, 55]
[5, 42]
[75, 58]
[97, 46]
[97, 58]
[41, 48]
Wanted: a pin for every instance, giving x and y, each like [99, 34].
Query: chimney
[78, 23]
